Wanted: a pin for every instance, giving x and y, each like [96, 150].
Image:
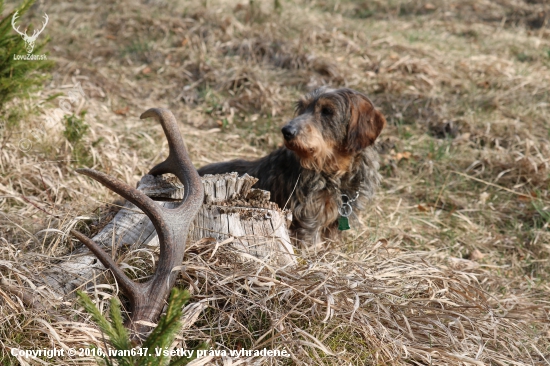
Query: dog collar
[345, 211]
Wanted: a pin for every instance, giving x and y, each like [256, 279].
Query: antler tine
[178, 161]
[129, 287]
[138, 198]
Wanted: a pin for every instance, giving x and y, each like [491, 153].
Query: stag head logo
[29, 40]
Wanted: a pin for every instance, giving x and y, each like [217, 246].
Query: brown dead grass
[449, 267]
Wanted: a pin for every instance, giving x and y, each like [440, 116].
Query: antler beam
[36, 32]
[13, 19]
[172, 225]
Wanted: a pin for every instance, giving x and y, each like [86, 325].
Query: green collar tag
[343, 223]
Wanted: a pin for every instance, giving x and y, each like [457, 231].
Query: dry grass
[450, 267]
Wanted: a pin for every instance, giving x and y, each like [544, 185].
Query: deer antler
[29, 40]
[35, 33]
[15, 16]
[172, 225]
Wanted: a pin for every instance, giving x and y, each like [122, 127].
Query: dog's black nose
[289, 132]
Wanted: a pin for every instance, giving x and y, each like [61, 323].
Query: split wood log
[232, 210]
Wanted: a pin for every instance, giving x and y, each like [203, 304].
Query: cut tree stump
[232, 210]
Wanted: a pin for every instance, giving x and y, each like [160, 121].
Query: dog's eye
[325, 111]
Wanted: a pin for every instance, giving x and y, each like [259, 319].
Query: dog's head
[331, 127]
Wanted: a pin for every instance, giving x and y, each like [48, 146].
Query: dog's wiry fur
[328, 152]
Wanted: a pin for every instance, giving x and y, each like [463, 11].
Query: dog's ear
[365, 123]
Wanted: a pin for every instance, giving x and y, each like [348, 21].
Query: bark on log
[231, 209]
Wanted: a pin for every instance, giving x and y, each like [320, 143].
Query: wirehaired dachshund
[328, 165]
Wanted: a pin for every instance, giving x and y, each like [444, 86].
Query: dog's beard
[320, 157]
